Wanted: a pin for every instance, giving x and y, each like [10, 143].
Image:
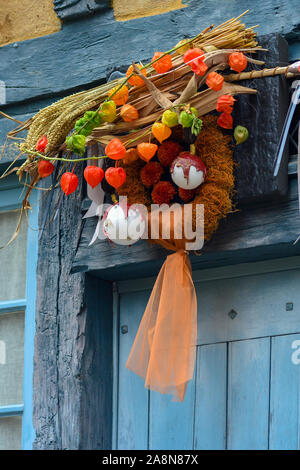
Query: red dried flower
[93, 175]
[163, 192]
[225, 104]
[45, 168]
[199, 67]
[162, 65]
[151, 173]
[215, 81]
[69, 183]
[225, 120]
[116, 177]
[237, 61]
[192, 54]
[168, 151]
[115, 149]
[186, 194]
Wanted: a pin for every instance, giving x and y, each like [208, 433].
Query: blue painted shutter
[17, 318]
[245, 392]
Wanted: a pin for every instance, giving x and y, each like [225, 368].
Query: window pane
[10, 433]
[12, 257]
[11, 358]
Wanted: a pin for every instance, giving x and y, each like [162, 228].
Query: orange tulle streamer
[164, 348]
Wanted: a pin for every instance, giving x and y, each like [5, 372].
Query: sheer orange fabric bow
[164, 348]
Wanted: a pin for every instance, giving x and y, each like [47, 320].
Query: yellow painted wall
[26, 19]
[130, 9]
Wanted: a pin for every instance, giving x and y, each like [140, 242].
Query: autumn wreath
[149, 183]
[166, 130]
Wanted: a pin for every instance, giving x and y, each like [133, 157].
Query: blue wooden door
[245, 392]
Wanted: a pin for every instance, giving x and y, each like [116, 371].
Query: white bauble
[188, 171]
[123, 225]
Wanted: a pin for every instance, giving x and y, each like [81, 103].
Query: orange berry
[237, 61]
[147, 150]
[135, 80]
[215, 81]
[121, 96]
[160, 131]
[225, 104]
[164, 64]
[129, 113]
[115, 149]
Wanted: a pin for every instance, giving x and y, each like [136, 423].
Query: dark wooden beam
[73, 350]
[73, 9]
[263, 115]
[86, 51]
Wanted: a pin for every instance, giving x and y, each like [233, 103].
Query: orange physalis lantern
[131, 156]
[121, 96]
[192, 54]
[93, 175]
[225, 104]
[115, 149]
[215, 81]
[42, 144]
[69, 183]
[116, 177]
[225, 120]
[45, 168]
[164, 64]
[160, 131]
[135, 80]
[199, 67]
[147, 150]
[237, 61]
[129, 113]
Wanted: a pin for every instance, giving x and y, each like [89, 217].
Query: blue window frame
[10, 200]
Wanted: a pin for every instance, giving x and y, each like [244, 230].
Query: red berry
[69, 183]
[42, 144]
[93, 175]
[45, 168]
[116, 177]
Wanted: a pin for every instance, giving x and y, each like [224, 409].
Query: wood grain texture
[171, 424]
[263, 115]
[88, 50]
[211, 397]
[69, 342]
[245, 391]
[248, 394]
[284, 400]
[132, 429]
[260, 231]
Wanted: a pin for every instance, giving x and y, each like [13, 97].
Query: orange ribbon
[164, 349]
